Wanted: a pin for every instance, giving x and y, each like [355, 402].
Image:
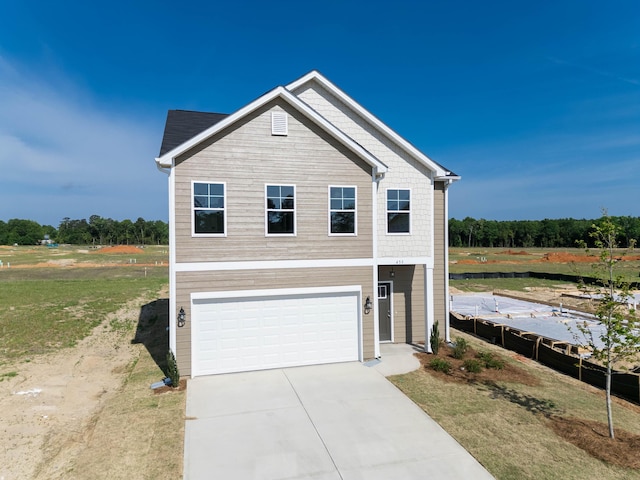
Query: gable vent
[279, 123]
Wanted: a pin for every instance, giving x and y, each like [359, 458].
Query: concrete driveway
[340, 422]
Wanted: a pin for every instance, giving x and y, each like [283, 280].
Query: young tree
[619, 337]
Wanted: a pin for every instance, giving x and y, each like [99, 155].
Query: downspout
[447, 303]
[447, 181]
[172, 257]
[375, 177]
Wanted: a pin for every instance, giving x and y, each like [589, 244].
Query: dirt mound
[511, 252]
[129, 249]
[564, 257]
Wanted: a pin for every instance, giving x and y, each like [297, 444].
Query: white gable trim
[167, 160]
[375, 122]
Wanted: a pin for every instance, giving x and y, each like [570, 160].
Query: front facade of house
[302, 231]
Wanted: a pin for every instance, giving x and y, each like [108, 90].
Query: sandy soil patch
[120, 249]
[47, 409]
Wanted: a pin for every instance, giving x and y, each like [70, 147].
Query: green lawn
[505, 426]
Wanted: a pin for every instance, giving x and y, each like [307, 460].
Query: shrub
[434, 338]
[490, 361]
[440, 365]
[472, 365]
[172, 370]
[460, 348]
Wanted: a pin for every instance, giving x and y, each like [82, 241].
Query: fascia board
[448, 178]
[334, 131]
[369, 117]
[168, 158]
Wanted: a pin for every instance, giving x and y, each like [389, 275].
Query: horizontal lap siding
[408, 301]
[404, 172]
[190, 282]
[440, 282]
[249, 157]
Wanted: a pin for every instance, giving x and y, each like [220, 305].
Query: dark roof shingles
[182, 125]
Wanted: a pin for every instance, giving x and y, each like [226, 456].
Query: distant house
[303, 230]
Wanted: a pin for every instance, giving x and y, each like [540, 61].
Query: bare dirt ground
[48, 409]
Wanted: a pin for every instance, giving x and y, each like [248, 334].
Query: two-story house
[303, 230]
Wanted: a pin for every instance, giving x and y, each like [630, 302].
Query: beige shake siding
[216, 281]
[404, 172]
[247, 158]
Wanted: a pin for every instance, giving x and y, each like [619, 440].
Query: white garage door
[272, 331]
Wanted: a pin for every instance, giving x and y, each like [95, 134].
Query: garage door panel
[240, 334]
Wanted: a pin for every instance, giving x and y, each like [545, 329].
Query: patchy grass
[40, 316]
[514, 420]
[469, 260]
[7, 375]
[78, 255]
[139, 433]
[513, 284]
[53, 297]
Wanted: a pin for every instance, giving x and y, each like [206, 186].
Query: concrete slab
[398, 358]
[339, 421]
[544, 320]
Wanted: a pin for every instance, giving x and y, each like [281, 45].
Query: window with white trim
[281, 209]
[342, 210]
[398, 211]
[209, 209]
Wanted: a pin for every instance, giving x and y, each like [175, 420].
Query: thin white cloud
[55, 140]
[597, 71]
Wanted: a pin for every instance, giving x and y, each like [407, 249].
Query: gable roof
[315, 76]
[166, 158]
[181, 125]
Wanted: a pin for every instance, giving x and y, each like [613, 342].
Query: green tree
[619, 337]
[24, 232]
[4, 233]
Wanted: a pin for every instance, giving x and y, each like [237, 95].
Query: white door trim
[390, 294]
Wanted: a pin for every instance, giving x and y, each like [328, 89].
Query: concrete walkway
[340, 422]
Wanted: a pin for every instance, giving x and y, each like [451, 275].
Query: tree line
[96, 231]
[547, 233]
[470, 232]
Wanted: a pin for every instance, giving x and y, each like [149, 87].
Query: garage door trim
[200, 297]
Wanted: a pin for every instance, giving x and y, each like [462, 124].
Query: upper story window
[209, 209]
[281, 209]
[398, 211]
[342, 210]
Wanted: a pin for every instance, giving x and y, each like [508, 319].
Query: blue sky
[535, 104]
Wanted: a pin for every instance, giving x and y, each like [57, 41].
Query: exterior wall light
[182, 317]
[392, 273]
[367, 306]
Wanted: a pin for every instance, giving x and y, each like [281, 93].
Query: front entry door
[384, 311]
